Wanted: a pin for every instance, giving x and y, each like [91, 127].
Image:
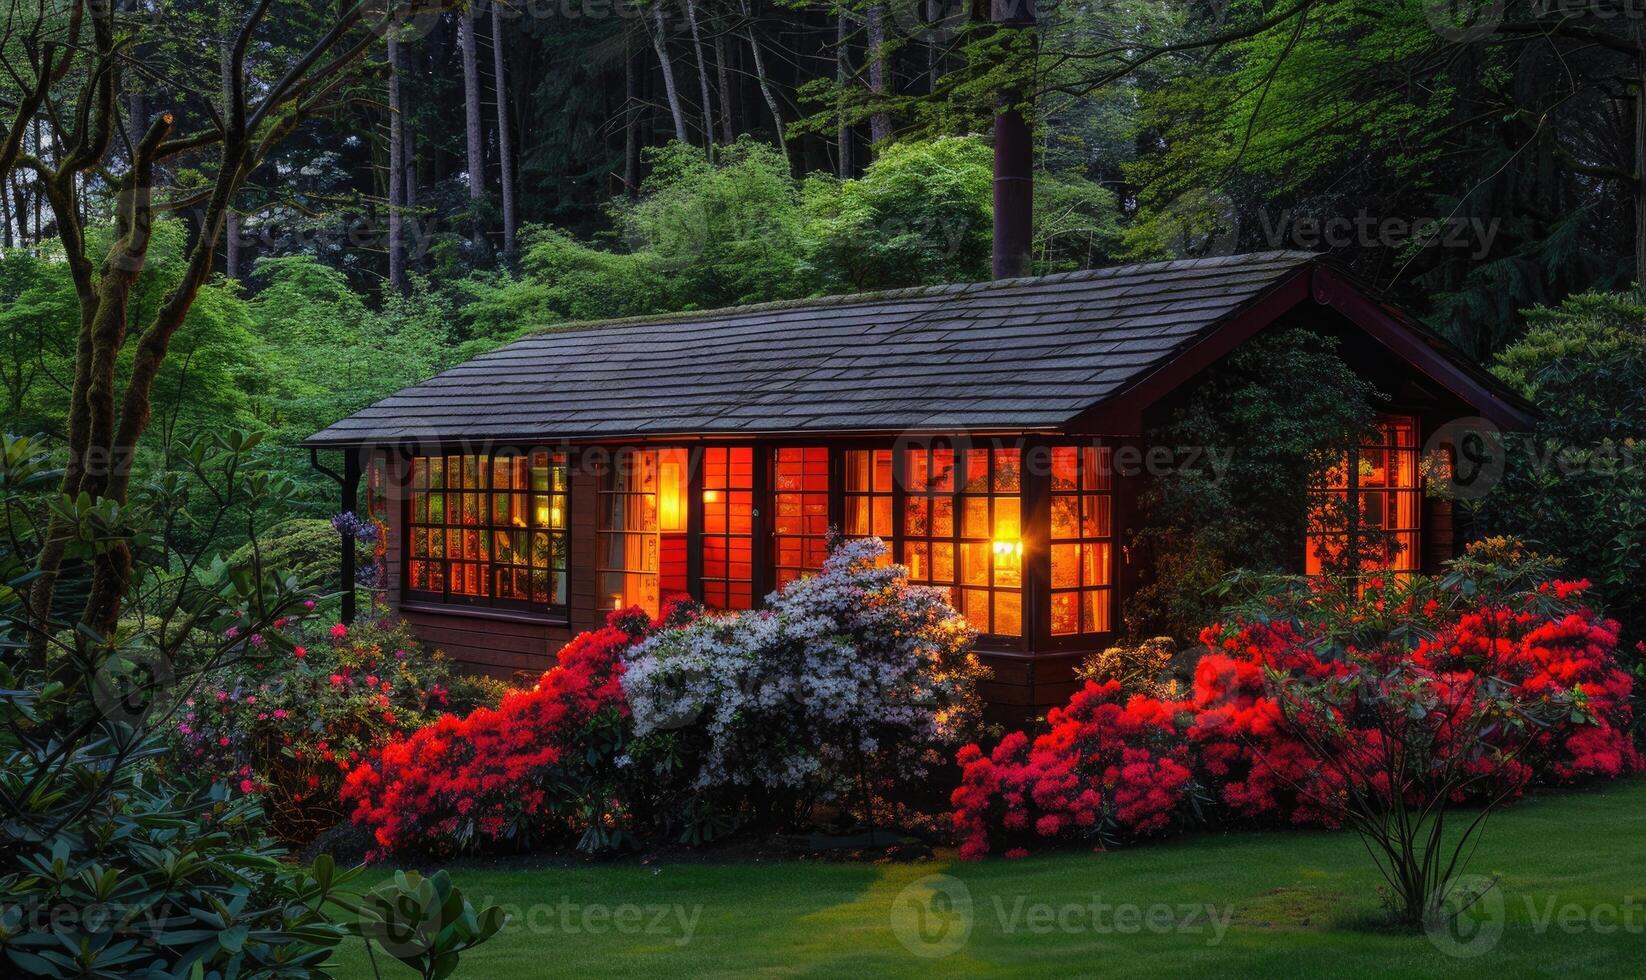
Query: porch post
[351, 501]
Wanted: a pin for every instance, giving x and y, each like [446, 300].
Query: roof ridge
[911, 292]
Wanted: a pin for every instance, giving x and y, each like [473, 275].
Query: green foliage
[920, 215]
[1576, 486]
[111, 865]
[306, 547]
[289, 728]
[1248, 439]
[426, 923]
[724, 233]
[204, 381]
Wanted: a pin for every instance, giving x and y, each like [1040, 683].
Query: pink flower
[337, 680]
[231, 632]
[224, 741]
[339, 631]
[371, 680]
[256, 639]
[299, 652]
[280, 712]
[251, 699]
[246, 786]
[308, 604]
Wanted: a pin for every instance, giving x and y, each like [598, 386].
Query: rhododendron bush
[1330, 704]
[684, 725]
[848, 680]
[289, 728]
[542, 764]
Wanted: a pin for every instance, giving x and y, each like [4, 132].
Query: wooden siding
[488, 643]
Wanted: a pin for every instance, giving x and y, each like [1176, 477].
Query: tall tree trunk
[660, 43]
[504, 148]
[934, 54]
[231, 219]
[1640, 158]
[842, 75]
[766, 84]
[471, 108]
[880, 123]
[631, 126]
[397, 168]
[702, 78]
[5, 213]
[728, 126]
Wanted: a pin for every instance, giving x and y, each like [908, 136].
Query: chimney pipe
[1013, 160]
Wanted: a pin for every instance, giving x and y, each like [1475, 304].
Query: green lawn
[1573, 895]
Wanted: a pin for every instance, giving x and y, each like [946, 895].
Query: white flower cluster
[846, 673]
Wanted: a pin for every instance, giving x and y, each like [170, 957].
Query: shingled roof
[1018, 354]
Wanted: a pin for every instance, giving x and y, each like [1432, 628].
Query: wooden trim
[1122, 414]
[1330, 289]
[475, 612]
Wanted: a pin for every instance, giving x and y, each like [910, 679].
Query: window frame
[1354, 496]
[489, 605]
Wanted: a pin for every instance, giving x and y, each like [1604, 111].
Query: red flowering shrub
[1101, 763]
[543, 763]
[1315, 701]
[290, 727]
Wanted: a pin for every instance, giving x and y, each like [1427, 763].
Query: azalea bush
[848, 682]
[541, 766]
[289, 727]
[1331, 703]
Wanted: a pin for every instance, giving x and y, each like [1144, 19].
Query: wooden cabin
[990, 433]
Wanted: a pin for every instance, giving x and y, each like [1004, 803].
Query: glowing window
[628, 552]
[1364, 512]
[868, 495]
[728, 528]
[1082, 540]
[800, 488]
[488, 530]
[963, 529]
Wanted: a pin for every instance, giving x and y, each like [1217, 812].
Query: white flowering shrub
[849, 680]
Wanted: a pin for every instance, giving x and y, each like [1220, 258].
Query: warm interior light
[1008, 549]
[711, 496]
[671, 498]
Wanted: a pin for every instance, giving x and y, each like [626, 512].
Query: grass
[1573, 903]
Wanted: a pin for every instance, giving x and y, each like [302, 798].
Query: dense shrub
[1576, 486]
[1502, 674]
[540, 766]
[849, 680]
[290, 728]
[684, 726]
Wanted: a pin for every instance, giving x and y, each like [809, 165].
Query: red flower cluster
[506, 774]
[1101, 762]
[1130, 765]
